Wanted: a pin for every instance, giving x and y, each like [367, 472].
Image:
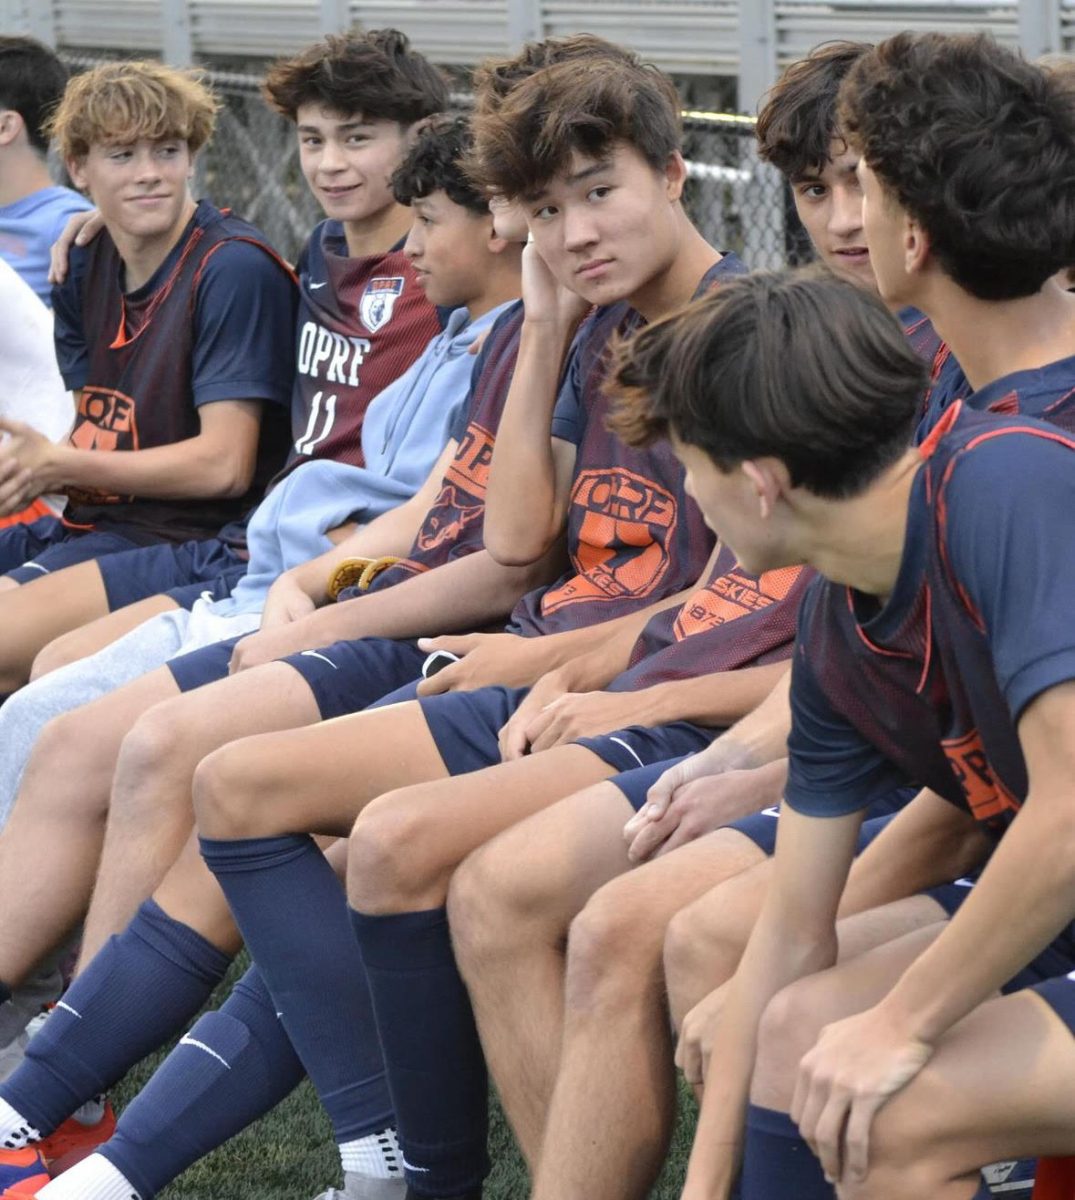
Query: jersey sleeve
[461, 419]
[1010, 543]
[832, 769]
[244, 339]
[568, 417]
[72, 353]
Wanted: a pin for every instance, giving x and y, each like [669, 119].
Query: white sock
[15, 1130]
[376, 1155]
[94, 1178]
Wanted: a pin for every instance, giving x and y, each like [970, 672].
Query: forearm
[711, 700]
[523, 514]
[757, 740]
[466, 594]
[391, 535]
[196, 468]
[1022, 901]
[775, 957]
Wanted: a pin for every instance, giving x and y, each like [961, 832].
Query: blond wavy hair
[126, 101]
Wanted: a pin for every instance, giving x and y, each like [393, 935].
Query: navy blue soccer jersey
[1047, 393]
[453, 526]
[634, 535]
[214, 322]
[929, 688]
[362, 322]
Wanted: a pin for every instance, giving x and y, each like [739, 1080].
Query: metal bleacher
[749, 39]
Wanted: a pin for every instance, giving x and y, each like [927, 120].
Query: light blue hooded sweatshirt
[404, 431]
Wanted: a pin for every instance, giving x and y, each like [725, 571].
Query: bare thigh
[96, 634]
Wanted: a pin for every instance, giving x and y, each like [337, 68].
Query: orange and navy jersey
[947, 383]
[1047, 393]
[214, 322]
[737, 619]
[453, 527]
[634, 536]
[362, 322]
[929, 687]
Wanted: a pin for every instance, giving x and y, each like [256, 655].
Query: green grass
[289, 1154]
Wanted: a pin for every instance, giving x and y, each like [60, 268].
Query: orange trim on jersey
[942, 507]
[866, 641]
[943, 426]
[31, 513]
[122, 338]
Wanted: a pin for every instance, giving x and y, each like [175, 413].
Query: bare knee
[391, 856]
[789, 1027]
[144, 759]
[225, 794]
[60, 652]
[610, 961]
[61, 754]
[699, 955]
[493, 908]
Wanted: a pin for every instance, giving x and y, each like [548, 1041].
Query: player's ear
[675, 174]
[10, 125]
[76, 169]
[768, 479]
[916, 247]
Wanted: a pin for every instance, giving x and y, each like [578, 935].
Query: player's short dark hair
[799, 366]
[435, 164]
[797, 118]
[32, 80]
[588, 105]
[978, 146]
[376, 74]
[494, 78]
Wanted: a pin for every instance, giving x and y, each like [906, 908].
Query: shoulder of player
[240, 264]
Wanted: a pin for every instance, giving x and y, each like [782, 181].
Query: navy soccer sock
[234, 1065]
[776, 1161]
[139, 991]
[434, 1060]
[292, 912]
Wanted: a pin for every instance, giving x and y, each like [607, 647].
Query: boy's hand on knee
[697, 1034]
[689, 801]
[857, 1065]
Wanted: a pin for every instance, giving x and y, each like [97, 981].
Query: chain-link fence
[252, 166]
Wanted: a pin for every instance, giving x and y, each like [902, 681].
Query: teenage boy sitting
[934, 1077]
[172, 329]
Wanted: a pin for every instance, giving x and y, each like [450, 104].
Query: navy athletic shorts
[636, 784]
[198, 667]
[46, 545]
[465, 727]
[185, 571]
[1059, 994]
[345, 677]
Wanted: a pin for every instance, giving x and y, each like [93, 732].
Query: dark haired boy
[921, 604]
[33, 211]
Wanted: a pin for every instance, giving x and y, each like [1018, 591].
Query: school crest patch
[378, 301]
